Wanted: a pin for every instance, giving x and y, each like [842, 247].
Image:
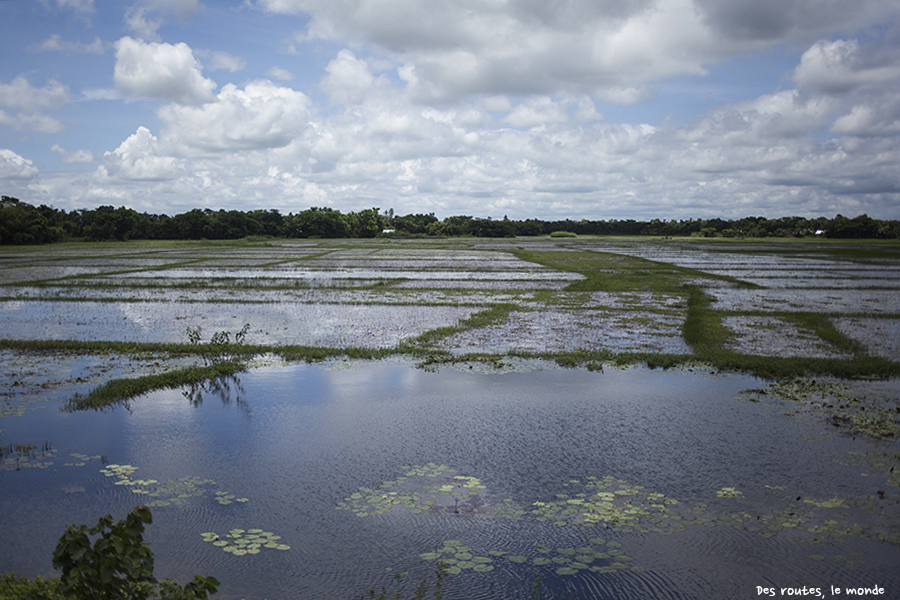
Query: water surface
[298, 442]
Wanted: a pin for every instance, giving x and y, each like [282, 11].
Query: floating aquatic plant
[601, 556]
[430, 487]
[165, 493]
[81, 459]
[455, 557]
[729, 492]
[616, 505]
[226, 498]
[240, 542]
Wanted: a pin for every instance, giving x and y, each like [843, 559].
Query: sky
[548, 109]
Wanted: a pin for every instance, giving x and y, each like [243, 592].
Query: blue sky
[594, 109]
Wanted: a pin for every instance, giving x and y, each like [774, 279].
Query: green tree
[365, 223]
[21, 223]
[119, 564]
[320, 223]
[107, 223]
[414, 224]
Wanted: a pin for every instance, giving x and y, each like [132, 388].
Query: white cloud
[348, 79]
[79, 156]
[38, 122]
[536, 111]
[262, 115]
[452, 49]
[13, 166]
[221, 60]
[841, 66]
[806, 150]
[869, 122]
[139, 158]
[147, 16]
[19, 93]
[31, 102]
[56, 43]
[280, 74]
[157, 70]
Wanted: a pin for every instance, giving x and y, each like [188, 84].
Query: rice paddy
[615, 295]
[816, 322]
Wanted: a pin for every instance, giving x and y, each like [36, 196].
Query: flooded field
[465, 441]
[382, 293]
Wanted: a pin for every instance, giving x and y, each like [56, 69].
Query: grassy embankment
[702, 328]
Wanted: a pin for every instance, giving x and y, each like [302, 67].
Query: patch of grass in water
[492, 315]
[702, 328]
[822, 326]
[704, 332]
[608, 272]
[117, 391]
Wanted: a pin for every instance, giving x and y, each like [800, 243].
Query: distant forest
[22, 223]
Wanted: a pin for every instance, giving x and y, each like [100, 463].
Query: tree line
[23, 223]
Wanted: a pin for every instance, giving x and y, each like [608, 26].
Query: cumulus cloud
[451, 49]
[165, 71]
[862, 84]
[221, 60]
[147, 16]
[537, 111]
[13, 166]
[261, 115]
[30, 102]
[841, 66]
[19, 93]
[55, 43]
[348, 79]
[139, 158]
[280, 74]
[79, 156]
[869, 122]
[824, 144]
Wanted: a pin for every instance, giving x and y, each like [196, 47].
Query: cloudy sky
[594, 109]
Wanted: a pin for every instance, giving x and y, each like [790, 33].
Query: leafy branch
[119, 564]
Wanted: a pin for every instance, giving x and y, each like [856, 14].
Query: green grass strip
[702, 329]
[609, 272]
[493, 315]
[117, 391]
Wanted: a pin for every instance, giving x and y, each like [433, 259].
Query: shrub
[118, 565]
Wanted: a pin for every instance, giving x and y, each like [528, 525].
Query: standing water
[317, 482]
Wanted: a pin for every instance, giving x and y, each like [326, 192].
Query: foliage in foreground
[118, 565]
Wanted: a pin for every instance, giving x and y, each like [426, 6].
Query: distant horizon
[383, 210]
[22, 223]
